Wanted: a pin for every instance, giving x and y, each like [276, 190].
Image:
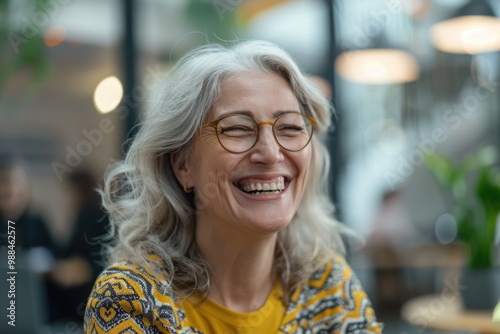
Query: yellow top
[132, 298]
[210, 317]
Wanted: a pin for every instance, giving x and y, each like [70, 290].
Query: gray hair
[150, 212]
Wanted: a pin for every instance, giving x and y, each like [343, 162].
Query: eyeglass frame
[214, 124]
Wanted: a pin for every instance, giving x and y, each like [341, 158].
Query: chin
[268, 224]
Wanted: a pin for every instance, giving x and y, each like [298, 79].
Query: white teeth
[273, 187]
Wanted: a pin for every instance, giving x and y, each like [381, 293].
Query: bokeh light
[377, 66]
[446, 229]
[108, 94]
[55, 35]
[467, 34]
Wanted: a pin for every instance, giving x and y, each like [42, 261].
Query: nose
[266, 149]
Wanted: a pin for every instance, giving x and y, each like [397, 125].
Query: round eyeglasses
[238, 133]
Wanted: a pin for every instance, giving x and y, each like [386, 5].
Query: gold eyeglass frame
[272, 123]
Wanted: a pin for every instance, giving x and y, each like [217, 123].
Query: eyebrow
[249, 113]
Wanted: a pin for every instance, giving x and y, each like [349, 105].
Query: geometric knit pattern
[130, 298]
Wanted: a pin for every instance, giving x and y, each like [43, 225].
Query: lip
[263, 177]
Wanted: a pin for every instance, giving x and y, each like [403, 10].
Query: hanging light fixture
[377, 66]
[473, 29]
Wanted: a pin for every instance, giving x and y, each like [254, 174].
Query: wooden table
[446, 312]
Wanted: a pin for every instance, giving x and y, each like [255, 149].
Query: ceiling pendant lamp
[377, 66]
[473, 29]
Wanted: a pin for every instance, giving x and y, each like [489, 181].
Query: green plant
[474, 184]
[18, 52]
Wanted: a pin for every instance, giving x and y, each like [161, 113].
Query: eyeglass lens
[238, 133]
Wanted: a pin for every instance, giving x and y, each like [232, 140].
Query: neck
[242, 268]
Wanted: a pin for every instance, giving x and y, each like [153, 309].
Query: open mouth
[274, 186]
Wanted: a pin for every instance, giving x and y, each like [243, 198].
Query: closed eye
[235, 129]
[291, 127]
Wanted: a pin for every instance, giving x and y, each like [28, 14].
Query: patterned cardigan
[130, 298]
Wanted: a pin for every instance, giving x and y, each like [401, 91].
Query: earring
[188, 189]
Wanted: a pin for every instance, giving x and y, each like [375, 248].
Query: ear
[182, 170]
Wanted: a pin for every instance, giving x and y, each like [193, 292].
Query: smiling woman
[220, 207]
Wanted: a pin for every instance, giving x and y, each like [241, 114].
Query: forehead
[261, 93]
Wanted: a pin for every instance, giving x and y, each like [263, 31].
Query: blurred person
[221, 210]
[33, 242]
[392, 227]
[32, 230]
[79, 259]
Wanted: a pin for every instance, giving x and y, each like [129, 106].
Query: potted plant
[474, 184]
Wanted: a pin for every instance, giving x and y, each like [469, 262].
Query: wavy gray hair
[147, 206]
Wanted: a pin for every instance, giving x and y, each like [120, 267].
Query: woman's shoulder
[152, 271]
[335, 297]
[335, 278]
[128, 294]
[333, 271]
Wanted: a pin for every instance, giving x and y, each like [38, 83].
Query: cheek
[205, 155]
[212, 186]
[213, 165]
[304, 162]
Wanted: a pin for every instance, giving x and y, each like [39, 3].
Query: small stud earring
[188, 189]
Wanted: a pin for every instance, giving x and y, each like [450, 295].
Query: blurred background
[416, 89]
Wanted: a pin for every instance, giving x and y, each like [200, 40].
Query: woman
[221, 211]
